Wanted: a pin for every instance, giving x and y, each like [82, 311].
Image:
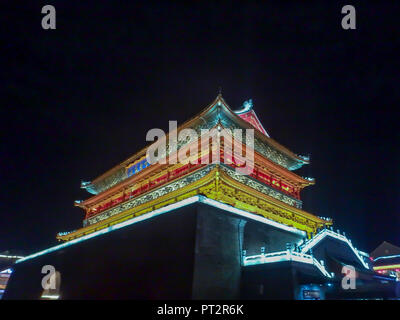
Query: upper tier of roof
[217, 112]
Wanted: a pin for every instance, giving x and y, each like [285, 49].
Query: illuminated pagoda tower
[202, 228]
[272, 190]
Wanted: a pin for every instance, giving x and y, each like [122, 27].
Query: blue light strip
[387, 257]
[160, 211]
[388, 278]
[324, 233]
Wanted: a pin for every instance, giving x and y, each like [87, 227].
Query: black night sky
[80, 99]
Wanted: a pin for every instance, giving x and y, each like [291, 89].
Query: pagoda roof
[217, 111]
[212, 182]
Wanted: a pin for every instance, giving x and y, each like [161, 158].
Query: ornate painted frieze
[186, 180]
[246, 180]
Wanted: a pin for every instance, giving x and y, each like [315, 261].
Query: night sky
[80, 99]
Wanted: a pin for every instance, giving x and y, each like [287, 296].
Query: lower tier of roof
[216, 183]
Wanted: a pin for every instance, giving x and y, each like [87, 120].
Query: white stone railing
[281, 256]
[309, 244]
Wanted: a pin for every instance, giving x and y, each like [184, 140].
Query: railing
[309, 244]
[281, 256]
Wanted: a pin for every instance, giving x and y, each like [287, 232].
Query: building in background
[386, 260]
[202, 229]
